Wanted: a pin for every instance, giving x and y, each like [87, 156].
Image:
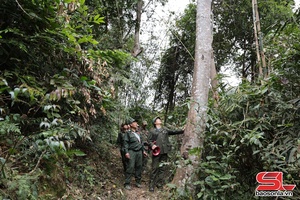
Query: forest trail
[135, 193]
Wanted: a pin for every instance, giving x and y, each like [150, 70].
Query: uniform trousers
[157, 172]
[134, 166]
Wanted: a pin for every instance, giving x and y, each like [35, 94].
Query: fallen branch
[37, 164]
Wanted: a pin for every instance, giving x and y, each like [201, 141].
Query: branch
[22, 8]
[37, 164]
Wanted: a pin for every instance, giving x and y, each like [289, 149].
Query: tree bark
[137, 48]
[261, 60]
[214, 82]
[196, 123]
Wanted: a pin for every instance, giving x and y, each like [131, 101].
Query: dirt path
[136, 193]
[143, 193]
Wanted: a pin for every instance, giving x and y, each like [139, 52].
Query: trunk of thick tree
[193, 137]
[137, 48]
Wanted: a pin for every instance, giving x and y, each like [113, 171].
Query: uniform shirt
[160, 137]
[131, 142]
[120, 140]
[144, 135]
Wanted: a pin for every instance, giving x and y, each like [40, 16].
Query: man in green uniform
[120, 142]
[159, 136]
[134, 150]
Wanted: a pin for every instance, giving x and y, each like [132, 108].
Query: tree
[174, 77]
[234, 33]
[195, 127]
[256, 127]
[55, 89]
[261, 61]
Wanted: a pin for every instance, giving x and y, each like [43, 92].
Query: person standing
[120, 141]
[134, 150]
[159, 136]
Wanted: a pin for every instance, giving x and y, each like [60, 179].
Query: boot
[151, 186]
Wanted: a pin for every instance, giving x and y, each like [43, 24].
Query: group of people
[136, 144]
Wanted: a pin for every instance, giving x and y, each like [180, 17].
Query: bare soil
[137, 193]
[103, 178]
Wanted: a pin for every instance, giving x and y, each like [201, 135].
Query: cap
[131, 120]
[145, 123]
[154, 119]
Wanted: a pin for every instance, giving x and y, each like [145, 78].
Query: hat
[145, 123]
[154, 119]
[131, 120]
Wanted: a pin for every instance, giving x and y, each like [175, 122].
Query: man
[134, 150]
[159, 136]
[120, 141]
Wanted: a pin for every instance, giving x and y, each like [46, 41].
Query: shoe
[127, 187]
[138, 185]
[151, 189]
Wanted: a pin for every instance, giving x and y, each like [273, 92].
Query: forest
[72, 71]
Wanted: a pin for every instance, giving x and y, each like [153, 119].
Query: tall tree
[174, 78]
[195, 127]
[234, 33]
[258, 39]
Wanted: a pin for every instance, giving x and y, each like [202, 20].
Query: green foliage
[55, 85]
[10, 135]
[23, 187]
[63, 64]
[234, 33]
[255, 126]
[253, 129]
[174, 78]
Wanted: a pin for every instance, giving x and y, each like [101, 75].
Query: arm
[119, 139]
[175, 132]
[126, 145]
[144, 141]
[152, 137]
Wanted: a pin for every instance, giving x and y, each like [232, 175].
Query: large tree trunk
[137, 48]
[193, 137]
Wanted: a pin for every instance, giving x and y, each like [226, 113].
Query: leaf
[62, 145]
[45, 124]
[226, 177]
[264, 90]
[98, 19]
[83, 78]
[79, 153]
[210, 157]
[172, 186]
[35, 16]
[195, 151]
[12, 95]
[292, 154]
[2, 160]
[68, 1]
[199, 195]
